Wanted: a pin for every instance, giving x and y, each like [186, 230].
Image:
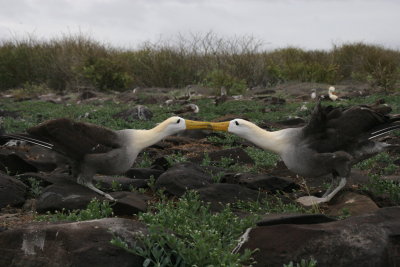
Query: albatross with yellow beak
[94, 149]
[333, 140]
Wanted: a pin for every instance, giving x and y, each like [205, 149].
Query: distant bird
[95, 149]
[314, 94]
[223, 91]
[303, 108]
[333, 140]
[188, 108]
[331, 93]
[188, 94]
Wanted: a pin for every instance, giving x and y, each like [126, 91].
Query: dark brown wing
[75, 139]
[332, 129]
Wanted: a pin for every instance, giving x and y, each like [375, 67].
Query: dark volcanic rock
[144, 173]
[75, 196]
[12, 191]
[70, 244]
[182, 177]
[366, 240]
[67, 196]
[353, 203]
[160, 163]
[137, 113]
[265, 182]
[46, 179]
[293, 218]
[292, 122]
[108, 183]
[7, 113]
[273, 100]
[220, 194]
[14, 163]
[129, 203]
[238, 155]
[87, 95]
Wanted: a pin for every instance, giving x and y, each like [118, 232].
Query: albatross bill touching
[94, 149]
[333, 140]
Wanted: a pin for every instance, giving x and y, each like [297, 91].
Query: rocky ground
[367, 236]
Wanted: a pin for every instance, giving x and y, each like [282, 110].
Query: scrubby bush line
[75, 62]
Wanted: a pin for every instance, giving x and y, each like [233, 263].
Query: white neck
[140, 139]
[273, 141]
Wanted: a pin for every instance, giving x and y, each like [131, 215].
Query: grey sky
[309, 24]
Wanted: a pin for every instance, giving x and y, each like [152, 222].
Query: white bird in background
[313, 94]
[331, 93]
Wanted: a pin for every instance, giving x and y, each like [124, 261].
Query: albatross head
[239, 127]
[176, 124]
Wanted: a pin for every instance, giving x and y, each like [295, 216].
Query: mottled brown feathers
[75, 139]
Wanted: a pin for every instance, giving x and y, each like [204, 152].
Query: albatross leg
[332, 186]
[312, 200]
[93, 188]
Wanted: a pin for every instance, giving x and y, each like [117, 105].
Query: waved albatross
[333, 140]
[95, 149]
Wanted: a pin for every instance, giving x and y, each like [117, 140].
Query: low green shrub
[187, 233]
[96, 209]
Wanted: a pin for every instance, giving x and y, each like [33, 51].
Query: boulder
[129, 203]
[293, 218]
[143, 173]
[12, 191]
[75, 196]
[266, 182]
[182, 177]
[14, 163]
[218, 195]
[87, 94]
[138, 112]
[351, 203]
[108, 183]
[238, 156]
[84, 243]
[367, 240]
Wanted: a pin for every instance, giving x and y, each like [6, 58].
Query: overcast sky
[308, 24]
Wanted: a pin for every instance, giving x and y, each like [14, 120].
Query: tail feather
[29, 140]
[383, 131]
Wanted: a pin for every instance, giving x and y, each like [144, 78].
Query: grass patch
[187, 233]
[379, 186]
[96, 209]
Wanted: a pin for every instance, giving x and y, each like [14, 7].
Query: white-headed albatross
[333, 140]
[95, 149]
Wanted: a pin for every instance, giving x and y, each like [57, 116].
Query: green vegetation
[379, 186]
[35, 188]
[379, 164]
[96, 209]
[263, 159]
[187, 233]
[272, 204]
[75, 62]
[303, 263]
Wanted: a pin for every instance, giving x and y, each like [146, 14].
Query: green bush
[75, 62]
[187, 233]
[107, 73]
[219, 78]
[96, 209]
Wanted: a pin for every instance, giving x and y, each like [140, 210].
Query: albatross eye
[237, 123]
[178, 121]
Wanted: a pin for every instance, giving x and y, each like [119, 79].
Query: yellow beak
[196, 125]
[220, 126]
